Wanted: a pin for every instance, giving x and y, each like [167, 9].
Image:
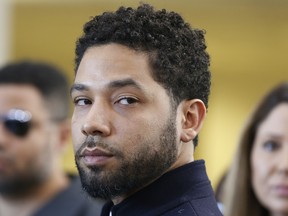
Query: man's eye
[127, 100]
[82, 102]
[271, 146]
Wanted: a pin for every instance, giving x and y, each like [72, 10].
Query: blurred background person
[34, 131]
[257, 183]
[219, 191]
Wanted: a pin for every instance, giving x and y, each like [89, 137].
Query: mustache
[93, 142]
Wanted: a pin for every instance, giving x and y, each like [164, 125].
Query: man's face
[25, 162]
[124, 129]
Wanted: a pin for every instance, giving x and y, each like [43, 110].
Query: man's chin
[18, 187]
[91, 184]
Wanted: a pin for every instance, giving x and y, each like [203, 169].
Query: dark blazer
[185, 191]
[71, 202]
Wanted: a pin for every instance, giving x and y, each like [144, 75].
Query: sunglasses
[17, 121]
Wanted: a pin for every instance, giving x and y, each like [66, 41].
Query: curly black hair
[51, 83]
[177, 52]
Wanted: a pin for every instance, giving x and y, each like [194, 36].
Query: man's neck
[23, 207]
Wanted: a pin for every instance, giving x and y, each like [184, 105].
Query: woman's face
[269, 161]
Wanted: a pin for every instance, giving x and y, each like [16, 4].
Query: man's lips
[95, 157]
[281, 190]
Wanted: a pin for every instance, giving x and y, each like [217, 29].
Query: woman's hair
[240, 199]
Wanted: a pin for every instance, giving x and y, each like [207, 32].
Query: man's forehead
[10, 89]
[113, 84]
[19, 96]
[113, 57]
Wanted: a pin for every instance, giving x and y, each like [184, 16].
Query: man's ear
[193, 115]
[65, 132]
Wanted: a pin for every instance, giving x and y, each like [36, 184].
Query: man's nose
[283, 159]
[97, 121]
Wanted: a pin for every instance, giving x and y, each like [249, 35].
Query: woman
[257, 184]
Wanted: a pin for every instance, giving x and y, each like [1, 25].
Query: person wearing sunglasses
[34, 131]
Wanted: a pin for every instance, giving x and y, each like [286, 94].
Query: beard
[19, 186]
[152, 160]
[21, 182]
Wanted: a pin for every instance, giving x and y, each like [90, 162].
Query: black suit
[185, 191]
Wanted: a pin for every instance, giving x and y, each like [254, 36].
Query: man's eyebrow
[78, 87]
[123, 83]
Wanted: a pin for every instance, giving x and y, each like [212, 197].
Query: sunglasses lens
[17, 121]
[17, 127]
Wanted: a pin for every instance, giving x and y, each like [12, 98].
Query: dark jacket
[71, 202]
[185, 191]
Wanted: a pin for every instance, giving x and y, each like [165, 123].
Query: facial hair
[134, 172]
[19, 187]
[30, 177]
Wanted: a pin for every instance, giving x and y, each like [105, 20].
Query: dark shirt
[185, 191]
[71, 202]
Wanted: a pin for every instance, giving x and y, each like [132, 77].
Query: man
[140, 93]
[34, 130]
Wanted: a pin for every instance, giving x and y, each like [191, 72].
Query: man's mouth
[95, 157]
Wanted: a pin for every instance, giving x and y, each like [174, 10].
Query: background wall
[5, 12]
[247, 41]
